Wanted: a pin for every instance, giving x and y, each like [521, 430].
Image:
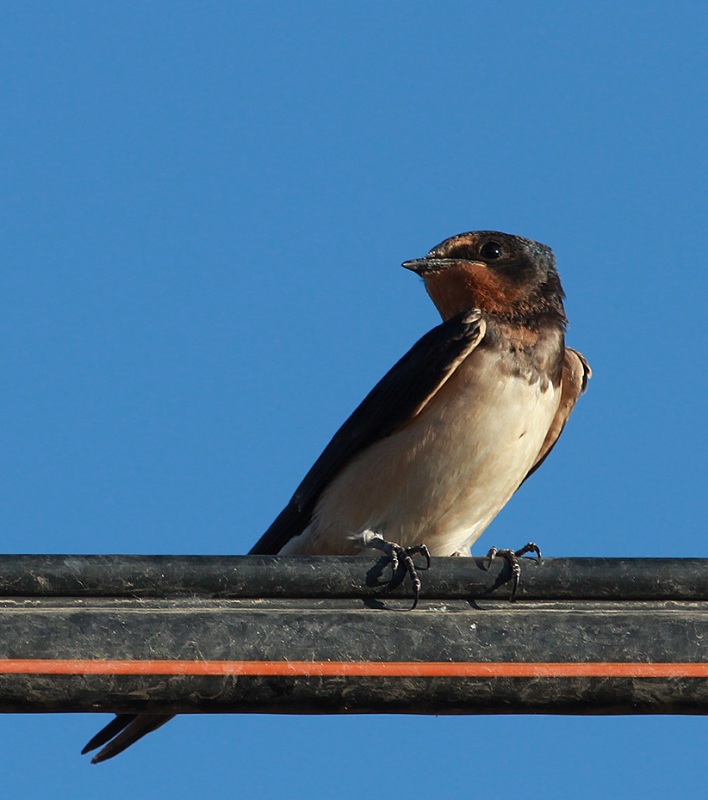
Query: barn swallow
[447, 436]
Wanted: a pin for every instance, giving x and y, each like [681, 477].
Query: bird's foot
[512, 557]
[400, 559]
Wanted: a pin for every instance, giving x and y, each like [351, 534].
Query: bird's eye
[491, 251]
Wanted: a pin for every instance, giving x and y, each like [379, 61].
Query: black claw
[491, 555]
[398, 555]
[422, 550]
[530, 547]
[512, 558]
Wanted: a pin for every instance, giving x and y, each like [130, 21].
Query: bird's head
[509, 277]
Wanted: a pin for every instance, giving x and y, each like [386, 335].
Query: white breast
[442, 478]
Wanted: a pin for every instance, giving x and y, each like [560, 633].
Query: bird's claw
[512, 557]
[401, 557]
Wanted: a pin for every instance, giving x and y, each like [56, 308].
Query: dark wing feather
[396, 399]
[122, 731]
[574, 380]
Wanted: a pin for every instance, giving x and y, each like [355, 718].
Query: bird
[447, 436]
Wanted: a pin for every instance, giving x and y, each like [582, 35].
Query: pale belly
[444, 477]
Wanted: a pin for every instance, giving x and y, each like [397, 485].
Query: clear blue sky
[204, 208]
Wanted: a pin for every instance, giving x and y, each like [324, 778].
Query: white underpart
[444, 477]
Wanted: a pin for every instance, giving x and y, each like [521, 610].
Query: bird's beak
[424, 265]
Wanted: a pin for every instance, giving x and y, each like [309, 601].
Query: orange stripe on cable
[427, 669]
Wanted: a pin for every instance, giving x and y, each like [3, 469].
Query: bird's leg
[512, 557]
[398, 555]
